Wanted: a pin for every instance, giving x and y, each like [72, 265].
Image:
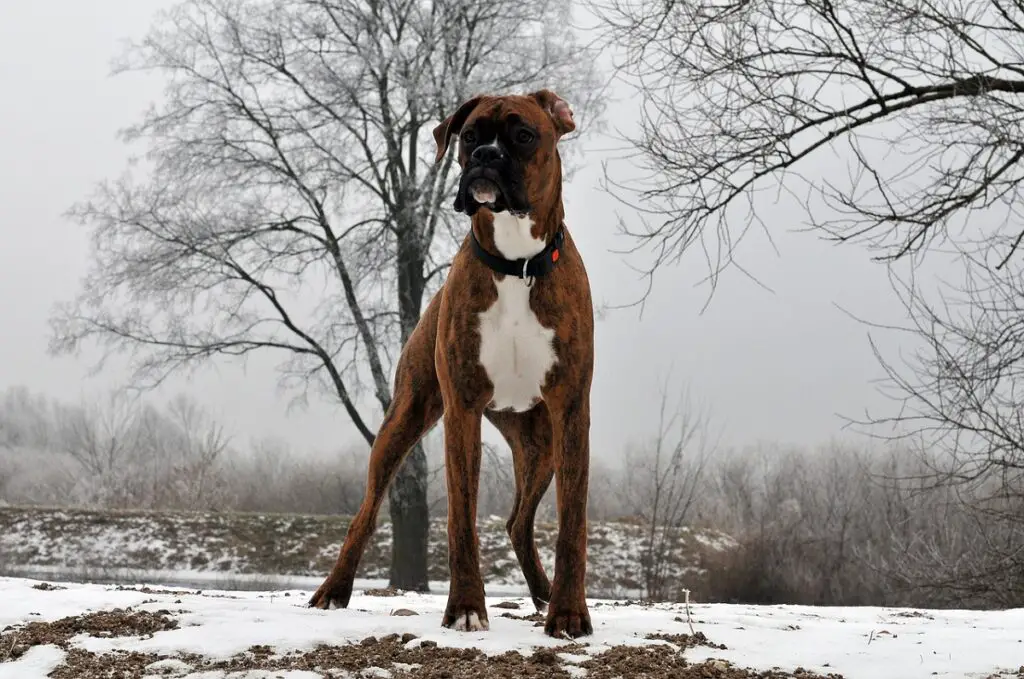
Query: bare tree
[292, 205]
[24, 419]
[192, 446]
[130, 454]
[920, 99]
[107, 443]
[276, 478]
[661, 483]
[960, 399]
[497, 481]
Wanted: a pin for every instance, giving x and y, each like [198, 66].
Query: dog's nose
[486, 154]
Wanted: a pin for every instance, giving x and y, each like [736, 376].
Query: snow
[190, 579]
[868, 642]
[38, 661]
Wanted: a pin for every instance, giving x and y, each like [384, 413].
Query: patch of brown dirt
[658, 661]
[119, 622]
[47, 587]
[427, 660]
[684, 641]
[536, 618]
[383, 591]
[79, 663]
[662, 662]
[145, 589]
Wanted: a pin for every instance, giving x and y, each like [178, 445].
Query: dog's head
[507, 150]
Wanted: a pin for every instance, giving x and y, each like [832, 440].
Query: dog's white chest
[515, 349]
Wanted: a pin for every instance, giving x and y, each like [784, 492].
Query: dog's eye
[469, 137]
[524, 136]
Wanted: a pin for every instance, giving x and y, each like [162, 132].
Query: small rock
[403, 611]
[408, 636]
[427, 643]
[507, 604]
[368, 641]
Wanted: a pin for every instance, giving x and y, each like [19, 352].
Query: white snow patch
[860, 643]
[36, 663]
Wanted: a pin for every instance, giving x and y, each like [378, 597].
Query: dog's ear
[558, 109]
[452, 125]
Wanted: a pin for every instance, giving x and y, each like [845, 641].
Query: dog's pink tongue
[484, 191]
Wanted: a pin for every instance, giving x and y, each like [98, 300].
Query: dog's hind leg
[415, 407]
[529, 436]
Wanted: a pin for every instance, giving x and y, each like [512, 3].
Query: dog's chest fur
[516, 351]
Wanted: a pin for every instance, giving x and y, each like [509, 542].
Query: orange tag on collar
[554, 255]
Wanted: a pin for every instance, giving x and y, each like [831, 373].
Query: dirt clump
[428, 661]
[79, 663]
[660, 661]
[383, 591]
[47, 587]
[684, 641]
[402, 657]
[120, 622]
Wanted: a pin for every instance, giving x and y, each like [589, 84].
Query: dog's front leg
[462, 448]
[567, 610]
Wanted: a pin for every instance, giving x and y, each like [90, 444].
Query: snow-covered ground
[858, 643]
[93, 545]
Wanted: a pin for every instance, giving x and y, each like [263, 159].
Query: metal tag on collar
[527, 279]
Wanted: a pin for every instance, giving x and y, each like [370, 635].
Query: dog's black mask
[491, 169]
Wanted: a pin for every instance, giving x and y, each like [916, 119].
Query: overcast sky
[771, 366]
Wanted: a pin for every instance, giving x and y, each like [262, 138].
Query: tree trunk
[407, 497]
[410, 524]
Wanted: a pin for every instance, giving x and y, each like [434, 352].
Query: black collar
[539, 265]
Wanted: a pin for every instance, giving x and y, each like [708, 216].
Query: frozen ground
[260, 635]
[106, 545]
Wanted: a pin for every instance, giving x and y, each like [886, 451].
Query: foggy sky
[770, 366]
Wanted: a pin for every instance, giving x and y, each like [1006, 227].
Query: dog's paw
[572, 622]
[466, 618]
[331, 595]
[541, 598]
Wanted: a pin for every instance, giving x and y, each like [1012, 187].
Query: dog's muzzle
[492, 180]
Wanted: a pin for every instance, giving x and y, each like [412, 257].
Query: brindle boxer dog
[509, 337]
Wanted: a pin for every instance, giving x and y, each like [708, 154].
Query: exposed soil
[684, 641]
[383, 591]
[120, 622]
[47, 587]
[426, 660]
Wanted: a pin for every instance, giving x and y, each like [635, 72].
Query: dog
[510, 337]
